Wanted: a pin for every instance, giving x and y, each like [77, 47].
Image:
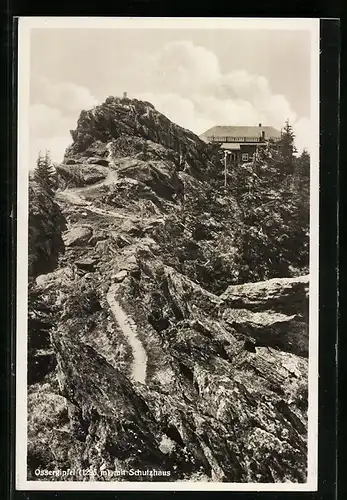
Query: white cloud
[187, 85]
[46, 121]
[65, 96]
[183, 66]
[71, 97]
[304, 136]
[49, 130]
[178, 109]
[53, 114]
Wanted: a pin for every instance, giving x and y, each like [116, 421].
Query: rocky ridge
[220, 391]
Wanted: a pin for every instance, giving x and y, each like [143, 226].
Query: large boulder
[98, 235]
[120, 276]
[74, 173]
[49, 439]
[272, 313]
[77, 236]
[112, 423]
[160, 176]
[62, 275]
[87, 264]
[280, 294]
[269, 328]
[93, 177]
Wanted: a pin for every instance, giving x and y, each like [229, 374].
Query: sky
[197, 77]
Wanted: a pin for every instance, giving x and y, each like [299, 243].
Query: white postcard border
[25, 24]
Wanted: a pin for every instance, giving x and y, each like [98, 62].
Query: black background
[329, 194]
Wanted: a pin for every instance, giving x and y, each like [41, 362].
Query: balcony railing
[214, 138]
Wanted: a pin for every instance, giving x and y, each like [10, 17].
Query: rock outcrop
[131, 125]
[286, 295]
[272, 313]
[149, 277]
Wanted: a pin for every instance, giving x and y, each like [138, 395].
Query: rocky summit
[146, 350]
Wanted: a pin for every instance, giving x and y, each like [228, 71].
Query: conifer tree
[274, 197]
[44, 172]
[287, 148]
[46, 221]
[302, 169]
